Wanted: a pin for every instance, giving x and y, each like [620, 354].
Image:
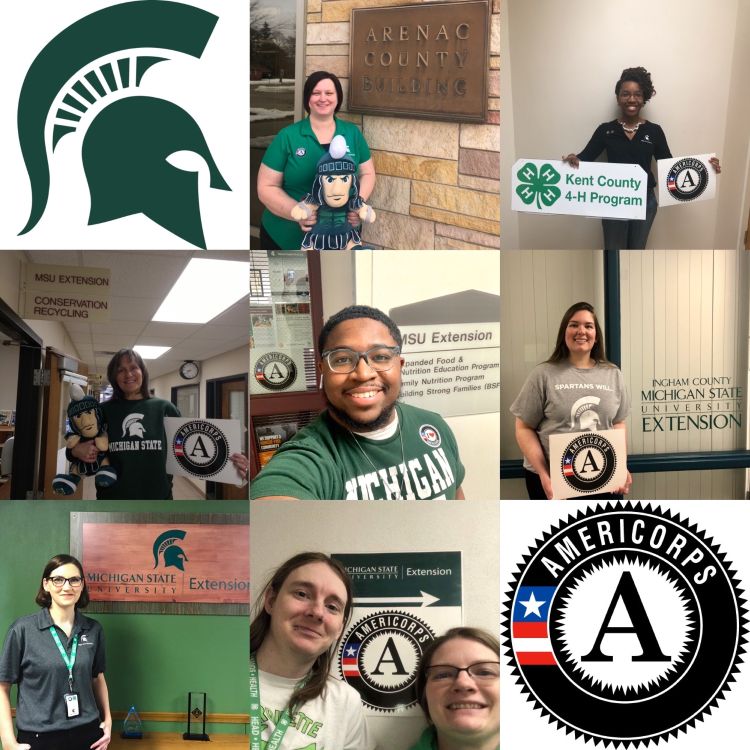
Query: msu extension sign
[609, 191]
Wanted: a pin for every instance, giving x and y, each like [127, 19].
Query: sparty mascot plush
[335, 191]
[86, 424]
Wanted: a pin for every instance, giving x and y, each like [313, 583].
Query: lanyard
[69, 662]
[274, 743]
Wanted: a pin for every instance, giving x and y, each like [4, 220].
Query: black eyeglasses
[344, 360]
[59, 581]
[483, 671]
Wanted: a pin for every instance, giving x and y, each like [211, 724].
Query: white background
[212, 89]
[521, 522]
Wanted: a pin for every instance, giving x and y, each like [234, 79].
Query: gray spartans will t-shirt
[558, 397]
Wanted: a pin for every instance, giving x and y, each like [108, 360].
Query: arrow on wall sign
[423, 600]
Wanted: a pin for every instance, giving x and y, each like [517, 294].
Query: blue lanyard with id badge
[72, 709]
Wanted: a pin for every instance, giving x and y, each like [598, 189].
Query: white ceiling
[139, 282]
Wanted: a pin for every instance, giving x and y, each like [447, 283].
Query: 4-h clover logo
[538, 185]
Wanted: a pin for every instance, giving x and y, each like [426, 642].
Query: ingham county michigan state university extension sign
[610, 191]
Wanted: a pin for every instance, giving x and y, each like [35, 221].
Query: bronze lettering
[425, 66]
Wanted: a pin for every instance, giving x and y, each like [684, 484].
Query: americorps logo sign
[115, 133]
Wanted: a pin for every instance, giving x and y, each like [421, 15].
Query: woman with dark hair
[290, 163]
[298, 621]
[458, 687]
[137, 440]
[56, 657]
[575, 390]
[630, 139]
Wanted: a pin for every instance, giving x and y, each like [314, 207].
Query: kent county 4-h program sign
[624, 624]
[124, 125]
[611, 191]
[402, 601]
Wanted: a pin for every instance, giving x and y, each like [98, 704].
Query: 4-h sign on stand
[610, 191]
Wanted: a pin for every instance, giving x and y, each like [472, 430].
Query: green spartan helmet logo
[166, 545]
[94, 64]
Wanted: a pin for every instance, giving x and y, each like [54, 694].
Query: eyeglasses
[631, 95]
[59, 581]
[483, 671]
[344, 361]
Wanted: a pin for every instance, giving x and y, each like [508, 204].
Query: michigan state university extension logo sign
[168, 552]
[625, 625]
[121, 126]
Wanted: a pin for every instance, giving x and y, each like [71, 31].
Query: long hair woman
[56, 658]
[298, 620]
[576, 389]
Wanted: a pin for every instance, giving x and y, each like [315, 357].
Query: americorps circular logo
[588, 462]
[200, 448]
[379, 657]
[624, 624]
[430, 436]
[275, 371]
[687, 179]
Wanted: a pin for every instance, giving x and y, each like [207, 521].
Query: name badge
[71, 705]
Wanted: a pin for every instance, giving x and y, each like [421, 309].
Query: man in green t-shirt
[365, 446]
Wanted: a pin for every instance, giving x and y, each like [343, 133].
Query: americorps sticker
[624, 624]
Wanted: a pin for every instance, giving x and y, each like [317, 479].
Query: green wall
[153, 660]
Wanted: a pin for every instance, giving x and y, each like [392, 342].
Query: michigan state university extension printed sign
[610, 191]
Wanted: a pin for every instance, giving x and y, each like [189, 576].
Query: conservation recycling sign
[402, 601]
[610, 191]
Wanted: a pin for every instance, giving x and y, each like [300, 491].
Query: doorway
[226, 398]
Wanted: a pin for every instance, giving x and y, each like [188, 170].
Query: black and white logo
[624, 624]
[275, 371]
[588, 462]
[200, 448]
[379, 657]
[687, 179]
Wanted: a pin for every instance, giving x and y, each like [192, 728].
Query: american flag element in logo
[349, 661]
[531, 642]
[178, 445]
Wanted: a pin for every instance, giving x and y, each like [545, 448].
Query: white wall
[386, 527]
[394, 278]
[566, 59]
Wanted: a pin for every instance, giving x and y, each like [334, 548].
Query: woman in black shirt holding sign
[630, 139]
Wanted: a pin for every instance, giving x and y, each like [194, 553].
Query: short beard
[356, 426]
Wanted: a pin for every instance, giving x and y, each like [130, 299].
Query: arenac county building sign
[421, 61]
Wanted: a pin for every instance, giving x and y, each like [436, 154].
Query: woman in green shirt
[289, 164]
[458, 687]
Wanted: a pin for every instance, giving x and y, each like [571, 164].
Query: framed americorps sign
[188, 563]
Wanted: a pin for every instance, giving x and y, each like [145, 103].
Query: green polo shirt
[295, 151]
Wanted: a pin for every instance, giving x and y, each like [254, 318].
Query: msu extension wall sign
[625, 624]
[402, 601]
[124, 125]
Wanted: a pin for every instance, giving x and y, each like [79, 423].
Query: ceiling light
[204, 290]
[151, 352]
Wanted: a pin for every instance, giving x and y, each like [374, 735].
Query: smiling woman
[299, 618]
[56, 657]
[458, 687]
[575, 390]
[290, 164]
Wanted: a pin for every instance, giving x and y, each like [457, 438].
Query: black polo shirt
[31, 659]
[648, 143]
